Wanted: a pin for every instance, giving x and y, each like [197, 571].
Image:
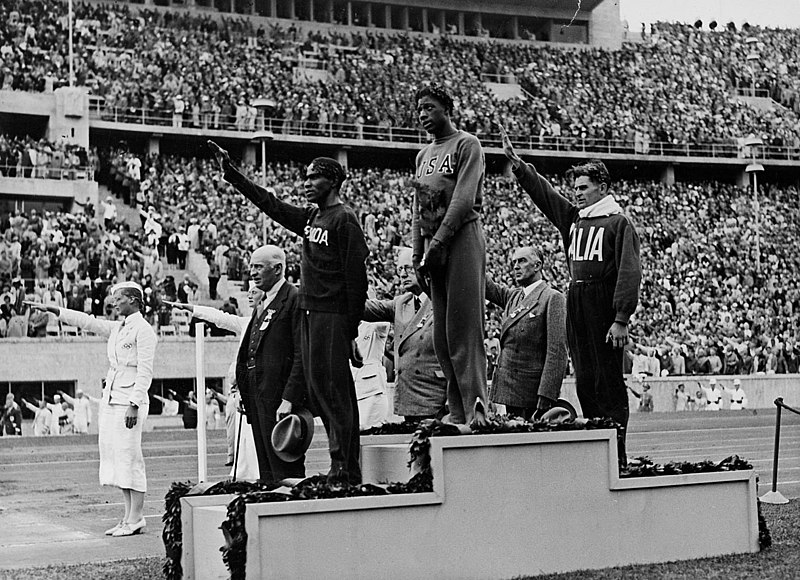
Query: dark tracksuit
[333, 290]
[447, 204]
[605, 274]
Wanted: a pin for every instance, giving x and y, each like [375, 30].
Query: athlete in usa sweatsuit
[333, 290]
[449, 251]
[602, 249]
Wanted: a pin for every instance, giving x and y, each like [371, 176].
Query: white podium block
[502, 506]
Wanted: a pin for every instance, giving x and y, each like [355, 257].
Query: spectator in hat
[713, 395]
[11, 419]
[737, 395]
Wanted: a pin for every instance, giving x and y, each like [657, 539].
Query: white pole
[757, 209]
[71, 52]
[199, 353]
[264, 183]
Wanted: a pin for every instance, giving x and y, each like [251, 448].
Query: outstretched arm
[289, 216]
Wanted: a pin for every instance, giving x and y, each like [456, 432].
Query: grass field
[780, 561]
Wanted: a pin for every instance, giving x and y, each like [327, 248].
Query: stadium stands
[676, 90]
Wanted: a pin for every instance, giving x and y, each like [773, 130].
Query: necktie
[417, 303]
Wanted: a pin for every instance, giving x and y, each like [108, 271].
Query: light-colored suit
[533, 346]
[420, 385]
[131, 350]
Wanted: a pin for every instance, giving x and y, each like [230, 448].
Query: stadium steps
[505, 91]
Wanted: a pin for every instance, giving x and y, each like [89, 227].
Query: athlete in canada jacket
[333, 290]
[602, 249]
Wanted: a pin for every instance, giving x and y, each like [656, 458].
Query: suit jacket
[533, 346]
[131, 351]
[420, 386]
[278, 368]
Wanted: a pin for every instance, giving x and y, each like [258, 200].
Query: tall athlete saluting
[333, 290]
[450, 251]
[605, 274]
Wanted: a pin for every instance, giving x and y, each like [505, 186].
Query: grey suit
[420, 385]
[533, 345]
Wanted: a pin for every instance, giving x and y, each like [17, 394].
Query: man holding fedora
[533, 344]
[269, 369]
[333, 289]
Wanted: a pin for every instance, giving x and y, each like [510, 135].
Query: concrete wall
[81, 190]
[605, 27]
[84, 359]
[67, 110]
[761, 390]
[503, 506]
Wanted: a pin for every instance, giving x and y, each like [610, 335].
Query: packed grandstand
[713, 294]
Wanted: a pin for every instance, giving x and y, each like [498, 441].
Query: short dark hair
[594, 169]
[437, 92]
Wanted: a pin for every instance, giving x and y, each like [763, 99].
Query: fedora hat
[561, 411]
[292, 435]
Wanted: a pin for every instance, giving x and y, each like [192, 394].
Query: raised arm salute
[602, 249]
[333, 289]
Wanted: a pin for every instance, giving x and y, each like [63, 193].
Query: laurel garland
[234, 552]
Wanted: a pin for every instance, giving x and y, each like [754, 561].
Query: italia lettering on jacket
[586, 244]
[433, 165]
[316, 234]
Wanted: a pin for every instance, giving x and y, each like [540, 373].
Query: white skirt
[121, 459]
[246, 464]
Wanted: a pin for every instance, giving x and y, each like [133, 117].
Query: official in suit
[533, 347]
[124, 403]
[420, 385]
[269, 370]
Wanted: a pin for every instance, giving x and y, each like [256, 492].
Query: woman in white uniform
[124, 404]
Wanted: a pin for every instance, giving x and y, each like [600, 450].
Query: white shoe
[110, 531]
[130, 529]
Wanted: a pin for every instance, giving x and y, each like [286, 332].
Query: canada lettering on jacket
[430, 167]
[317, 235]
[586, 245]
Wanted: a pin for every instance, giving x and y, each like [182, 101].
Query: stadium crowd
[190, 70]
[27, 157]
[705, 308]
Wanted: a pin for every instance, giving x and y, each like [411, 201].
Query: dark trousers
[457, 297]
[212, 287]
[326, 365]
[599, 382]
[261, 414]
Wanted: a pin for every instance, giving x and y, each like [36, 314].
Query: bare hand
[179, 305]
[220, 155]
[355, 355]
[422, 278]
[436, 258]
[131, 416]
[35, 305]
[508, 148]
[284, 410]
[617, 335]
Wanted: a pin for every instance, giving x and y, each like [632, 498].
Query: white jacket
[131, 350]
